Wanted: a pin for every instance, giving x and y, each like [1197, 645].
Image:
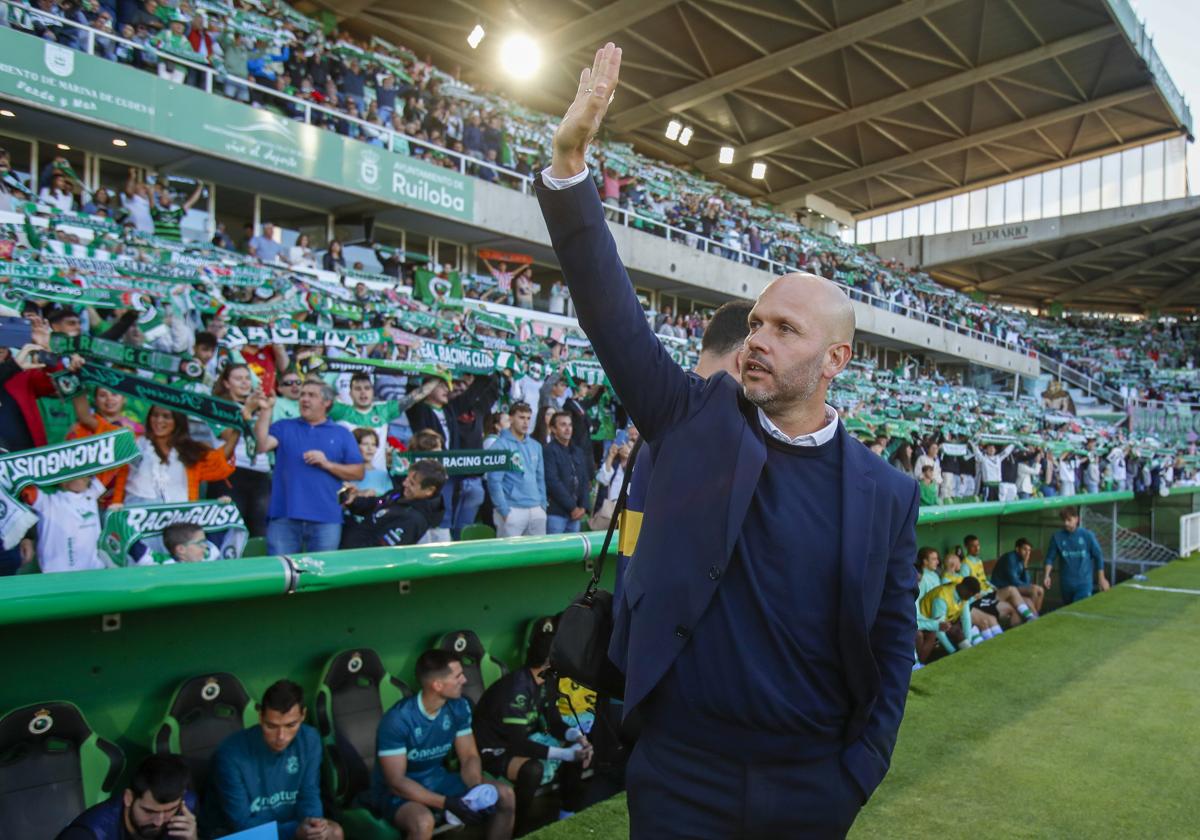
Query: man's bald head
[828, 305]
[801, 334]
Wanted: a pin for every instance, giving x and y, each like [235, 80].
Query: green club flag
[431, 289]
[461, 461]
[123, 528]
[312, 364]
[14, 293]
[55, 464]
[211, 409]
[290, 333]
[104, 350]
[466, 359]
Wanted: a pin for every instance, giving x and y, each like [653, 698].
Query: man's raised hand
[583, 118]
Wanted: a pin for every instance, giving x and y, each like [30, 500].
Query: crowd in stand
[435, 115]
[324, 417]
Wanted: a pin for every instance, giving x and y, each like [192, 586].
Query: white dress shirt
[820, 436]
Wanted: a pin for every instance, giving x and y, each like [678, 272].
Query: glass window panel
[942, 216]
[1110, 181]
[1013, 201]
[995, 205]
[1176, 174]
[1152, 172]
[925, 224]
[961, 216]
[978, 209]
[1032, 205]
[1052, 184]
[1131, 176]
[1089, 186]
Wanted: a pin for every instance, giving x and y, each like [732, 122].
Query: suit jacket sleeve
[653, 388]
[891, 642]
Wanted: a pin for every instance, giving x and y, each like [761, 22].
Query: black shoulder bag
[580, 648]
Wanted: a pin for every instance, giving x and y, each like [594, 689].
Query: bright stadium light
[476, 36]
[758, 171]
[63, 147]
[685, 136]
[726, 155]
[119, 143]
[520, 56]
[673, 129]
[7, 113]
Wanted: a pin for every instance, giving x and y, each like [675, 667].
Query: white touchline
[1161, 589]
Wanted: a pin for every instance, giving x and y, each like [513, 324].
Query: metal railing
[1073, 376]
[1128, 550]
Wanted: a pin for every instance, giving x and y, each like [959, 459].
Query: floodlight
[520, 56]
[685, 136]
[476, 36]
[758, 171]
[673, 129]
[726, 155]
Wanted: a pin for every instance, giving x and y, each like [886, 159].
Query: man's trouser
[288, 536]
[1008, 491]
[521, 522]
[562, 525]
[676, 790]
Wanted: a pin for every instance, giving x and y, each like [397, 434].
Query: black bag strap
[622, 497]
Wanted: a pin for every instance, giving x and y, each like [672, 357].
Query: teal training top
[1077, 555]
[407, 729]
[251, 784]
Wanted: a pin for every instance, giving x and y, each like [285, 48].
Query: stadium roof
[1140, 258]
[867, 104]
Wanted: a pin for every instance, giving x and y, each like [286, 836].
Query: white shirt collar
[820, 436]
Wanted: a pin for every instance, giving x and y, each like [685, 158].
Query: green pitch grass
[1083, 724]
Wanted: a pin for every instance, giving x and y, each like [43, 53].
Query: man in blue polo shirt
[313, 457]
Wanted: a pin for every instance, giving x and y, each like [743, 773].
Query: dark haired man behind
[719, 350]
[271, 773]
[157, 803]
[409, 782]
[515, 722]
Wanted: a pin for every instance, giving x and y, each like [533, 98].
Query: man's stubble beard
[796, 388]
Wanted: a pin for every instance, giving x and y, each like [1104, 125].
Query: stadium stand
[153, 335]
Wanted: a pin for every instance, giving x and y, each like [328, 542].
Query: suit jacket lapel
[858, 492]
[747, 467]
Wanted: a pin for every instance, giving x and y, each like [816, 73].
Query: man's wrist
[564, 166]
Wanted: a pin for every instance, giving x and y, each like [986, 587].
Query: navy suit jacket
[709, 451]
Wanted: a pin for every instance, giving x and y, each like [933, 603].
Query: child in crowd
[68, 525]
[929, 488]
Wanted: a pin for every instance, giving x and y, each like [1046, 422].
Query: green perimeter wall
[178, 622]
